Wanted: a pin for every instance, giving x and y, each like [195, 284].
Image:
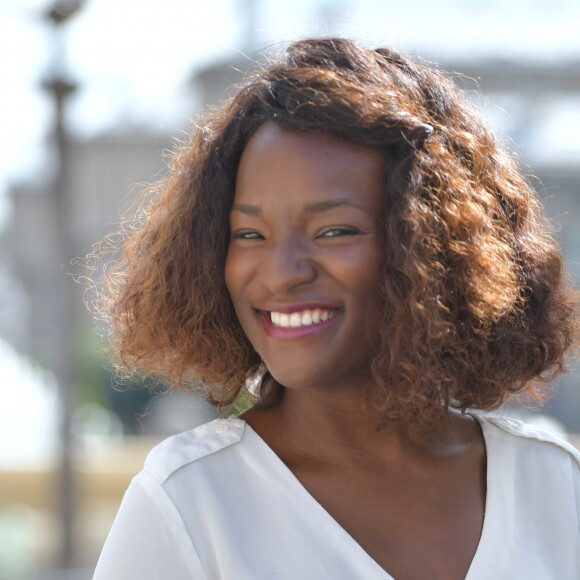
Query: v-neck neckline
[296, 490]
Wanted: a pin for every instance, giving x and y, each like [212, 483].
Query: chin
[290, 379]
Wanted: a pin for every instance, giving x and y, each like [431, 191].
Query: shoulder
[217, 438]
[513, 434]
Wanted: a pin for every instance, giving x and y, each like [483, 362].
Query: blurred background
[92, 94]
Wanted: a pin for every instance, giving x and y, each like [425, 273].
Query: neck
[341, 430]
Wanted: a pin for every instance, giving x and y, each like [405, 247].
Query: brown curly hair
[476, 300]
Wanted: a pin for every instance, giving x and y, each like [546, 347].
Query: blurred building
[103, 170]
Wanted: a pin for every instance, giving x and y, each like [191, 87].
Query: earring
[254, 381]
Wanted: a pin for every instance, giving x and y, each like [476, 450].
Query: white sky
[28, 436]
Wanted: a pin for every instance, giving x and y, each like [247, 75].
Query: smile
[301, 318]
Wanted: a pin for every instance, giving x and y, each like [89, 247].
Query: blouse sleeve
[148, 539]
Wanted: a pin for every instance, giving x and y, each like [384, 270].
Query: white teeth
[295, 320]
[298, 319]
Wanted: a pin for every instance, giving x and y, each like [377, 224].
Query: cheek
[237, 275]
[364, 267]
[232, 279]
[228, 273]
[367, 276]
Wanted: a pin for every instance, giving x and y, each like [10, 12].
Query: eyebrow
[247, 209]
[316, 207]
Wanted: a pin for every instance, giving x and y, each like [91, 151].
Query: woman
[347, 238]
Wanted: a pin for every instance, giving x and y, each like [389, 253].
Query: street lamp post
[60, 88]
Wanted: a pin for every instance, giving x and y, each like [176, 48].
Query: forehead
[278, 161]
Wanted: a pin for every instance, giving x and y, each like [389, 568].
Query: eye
[247, 235]
[338, 231]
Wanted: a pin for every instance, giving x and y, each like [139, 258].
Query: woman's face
[305, 251]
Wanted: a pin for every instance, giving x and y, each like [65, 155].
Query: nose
[288, 264]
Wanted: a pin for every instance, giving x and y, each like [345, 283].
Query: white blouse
[216, 503]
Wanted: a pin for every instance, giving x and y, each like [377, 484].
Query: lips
[297, 322]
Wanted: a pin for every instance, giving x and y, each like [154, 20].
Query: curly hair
[477, 305]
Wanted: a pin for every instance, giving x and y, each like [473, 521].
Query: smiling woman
[302, 263]
[346, 237]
